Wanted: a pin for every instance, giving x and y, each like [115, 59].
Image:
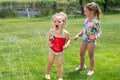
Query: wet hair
[95, 8]
[62, 14]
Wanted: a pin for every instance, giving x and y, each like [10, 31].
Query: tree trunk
[87, 1]
[81, 6]
[105, 6]
[54, 6]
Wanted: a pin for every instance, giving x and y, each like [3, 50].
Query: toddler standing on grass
[58, 40]
[90, 33]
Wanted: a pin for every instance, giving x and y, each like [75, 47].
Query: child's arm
[98, 27]
[49, 39]
[67, 40]
[77, 36]
[80, 34]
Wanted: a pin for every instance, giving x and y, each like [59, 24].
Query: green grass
[25, 0]
[23, 50]
[63, 1]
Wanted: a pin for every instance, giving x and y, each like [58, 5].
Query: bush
[46, 12]
[7, 13]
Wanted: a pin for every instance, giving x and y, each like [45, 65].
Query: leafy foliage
[7, 13]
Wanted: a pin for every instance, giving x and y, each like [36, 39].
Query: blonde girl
[58, 40]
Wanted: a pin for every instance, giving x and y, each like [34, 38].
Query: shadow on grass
[72, 75]
[76, 75]
[43, 79]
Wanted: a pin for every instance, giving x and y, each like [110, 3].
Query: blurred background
[40, 8]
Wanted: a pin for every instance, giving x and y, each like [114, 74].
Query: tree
[88, 1]
[105, 5]
[81, 6]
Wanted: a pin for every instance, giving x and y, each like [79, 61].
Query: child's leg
[50, 62]
[59, 65]
[91, 47]
[83, 49]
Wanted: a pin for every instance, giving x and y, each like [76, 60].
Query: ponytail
[95, 8]
[98, 13]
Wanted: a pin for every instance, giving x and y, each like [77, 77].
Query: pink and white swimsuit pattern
[91, 30]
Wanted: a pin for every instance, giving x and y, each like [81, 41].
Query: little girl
[90, 33]
[58, 40]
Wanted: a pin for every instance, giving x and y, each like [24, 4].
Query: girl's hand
[50, 42]
[76, 37]
[65, 47]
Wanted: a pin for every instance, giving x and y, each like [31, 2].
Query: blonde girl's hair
[64, 15]
[95, 8]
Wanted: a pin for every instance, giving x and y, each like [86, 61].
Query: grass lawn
[63, 1]
[25, 0]
[23, 50]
